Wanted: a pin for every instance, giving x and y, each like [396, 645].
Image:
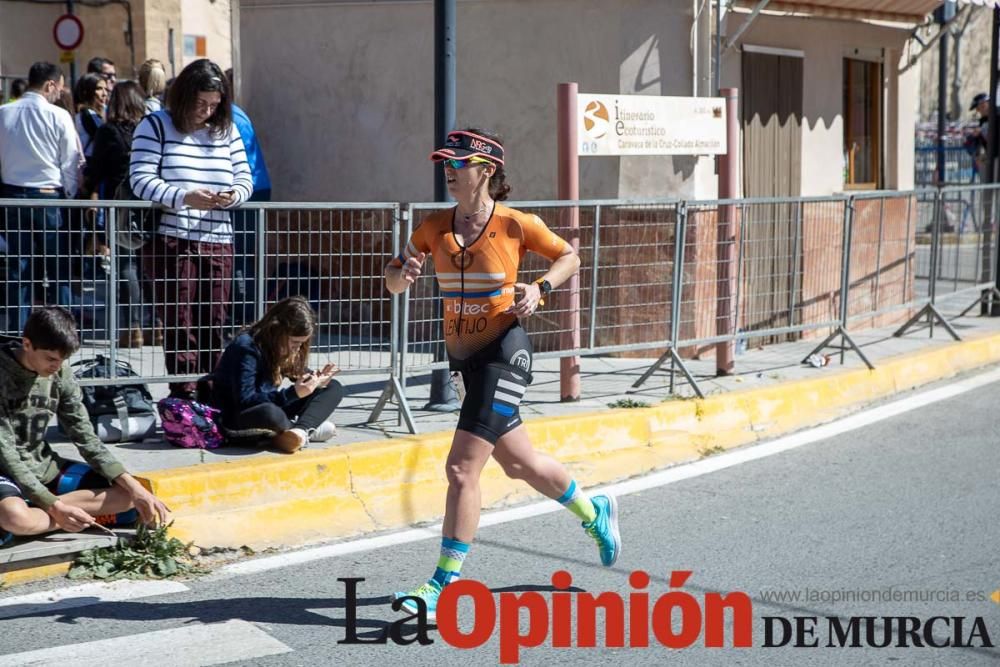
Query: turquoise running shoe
[604, 528]
[428, 592]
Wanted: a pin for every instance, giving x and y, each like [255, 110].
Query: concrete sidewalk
[377, 477]
[604, 381]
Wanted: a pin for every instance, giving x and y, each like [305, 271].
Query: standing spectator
[17, 88]
[977, 141]
[92, 99]
[40, 158]
[153, 79]
[104, 68]
[65, 101]
[244, 222]
[191, 160]
[107, 169]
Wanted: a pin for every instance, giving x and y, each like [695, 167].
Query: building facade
[356, 81]
[173, 31]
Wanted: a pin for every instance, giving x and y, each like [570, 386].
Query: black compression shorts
[495, 380]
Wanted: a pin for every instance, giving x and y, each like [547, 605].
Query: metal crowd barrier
[681, 278]
[958, 162]
[81, 254]
[623, 298]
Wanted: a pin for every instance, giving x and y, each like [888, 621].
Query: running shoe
[323, 432]
[604, 528]
[428, 592]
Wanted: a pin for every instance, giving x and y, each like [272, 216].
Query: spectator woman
[107, 170]
[92, 99]
[153, 79]
[247, 380]
[190, 160]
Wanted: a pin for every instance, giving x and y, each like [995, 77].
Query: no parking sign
[68, 32]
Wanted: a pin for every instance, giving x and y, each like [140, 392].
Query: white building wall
[342, 93]
[825, 43]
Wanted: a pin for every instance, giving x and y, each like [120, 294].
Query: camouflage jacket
[27, 403]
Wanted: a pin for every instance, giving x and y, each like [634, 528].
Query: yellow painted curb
[35, 573]
[358, 488]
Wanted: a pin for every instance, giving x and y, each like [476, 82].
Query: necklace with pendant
[482, 209]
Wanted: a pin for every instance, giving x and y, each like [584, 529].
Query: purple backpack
[189, 424]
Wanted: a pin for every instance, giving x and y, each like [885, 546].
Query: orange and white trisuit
[476, 283]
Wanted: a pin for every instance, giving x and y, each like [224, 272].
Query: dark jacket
[243, 379]
[107, 167]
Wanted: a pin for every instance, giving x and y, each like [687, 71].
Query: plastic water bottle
[741, 342]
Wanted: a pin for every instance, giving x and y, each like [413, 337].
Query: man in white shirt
[40, 158]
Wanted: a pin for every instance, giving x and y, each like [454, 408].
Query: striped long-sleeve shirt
[188, 162]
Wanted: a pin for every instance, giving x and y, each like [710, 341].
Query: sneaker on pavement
[604, 528]
[323, 432]
[429, 592]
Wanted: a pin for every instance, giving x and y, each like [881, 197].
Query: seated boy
[39, 490]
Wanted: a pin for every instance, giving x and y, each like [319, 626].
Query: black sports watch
[545, 286]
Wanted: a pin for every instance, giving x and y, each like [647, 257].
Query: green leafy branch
[151, 555]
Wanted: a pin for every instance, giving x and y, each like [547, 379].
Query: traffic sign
[66, 57]
[68, 32]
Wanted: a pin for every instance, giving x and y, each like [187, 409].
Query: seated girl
[247, 382]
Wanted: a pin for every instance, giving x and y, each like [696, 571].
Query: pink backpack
[189, 424]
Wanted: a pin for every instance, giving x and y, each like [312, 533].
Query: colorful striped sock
[578, 502]
[449, 566]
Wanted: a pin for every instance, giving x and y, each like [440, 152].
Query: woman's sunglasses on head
[462, 164]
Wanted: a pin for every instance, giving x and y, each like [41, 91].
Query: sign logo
[521, 360]
[595, 119]
[650, 125]
[481, 146]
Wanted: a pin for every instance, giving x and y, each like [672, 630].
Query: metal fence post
[404, 298]
[939, 220]
[845, 264]
[930, 311]
[394, 387]
[986, 248]
[676, 291]
[796, 264]
[846, 342]
[112, 294]
[595, 252]
[261, 225]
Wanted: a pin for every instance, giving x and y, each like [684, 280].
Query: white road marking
[650, 481]
[187, 646]
[85, 595]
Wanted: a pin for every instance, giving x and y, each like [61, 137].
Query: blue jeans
[37, 254]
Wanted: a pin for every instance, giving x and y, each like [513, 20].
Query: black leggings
[311, 411]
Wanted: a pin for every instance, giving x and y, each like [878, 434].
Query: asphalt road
[907, 506]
